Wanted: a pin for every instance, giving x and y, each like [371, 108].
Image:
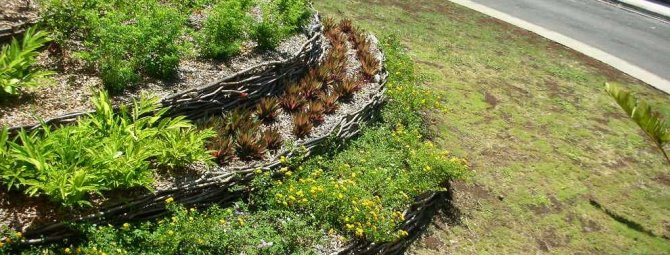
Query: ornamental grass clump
[346, 89]
[316, 112]
[329, 102]
[292, 103]
[272, 138]
[105, 150]
[302, 125]
[267, 109]
[249, 145]
[223, 150]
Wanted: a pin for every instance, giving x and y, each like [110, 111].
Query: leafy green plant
[103, 151]
[268, 34]
[17, 60]
[651, 122]
[223, 32]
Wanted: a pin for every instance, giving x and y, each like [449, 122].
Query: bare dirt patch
[548, 241]
[490, 99]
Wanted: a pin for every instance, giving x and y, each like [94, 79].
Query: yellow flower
[222, 221]
[283, 169]
[359, 232]
[289, 173]
[170, 232]
[350, 226]
[282, 159]
[126, 226]
[258, 171]
[241, 221]
[19, 234]
[340, 196]
[353, 175]
[192, 209]
[169, 200]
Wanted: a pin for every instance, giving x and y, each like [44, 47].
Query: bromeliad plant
[103, 151]
[651, 122]
[17, 60]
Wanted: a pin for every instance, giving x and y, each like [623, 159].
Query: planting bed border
[241, 88]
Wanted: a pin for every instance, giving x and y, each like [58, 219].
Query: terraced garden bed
[253, 143]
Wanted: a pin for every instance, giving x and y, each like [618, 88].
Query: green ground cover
[540, 132]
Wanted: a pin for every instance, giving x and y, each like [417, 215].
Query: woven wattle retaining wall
[215, 186]
[417, 218]
[7, 33]
[241, 88]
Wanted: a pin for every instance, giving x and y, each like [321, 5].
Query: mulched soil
[72, 87]
[15, 13]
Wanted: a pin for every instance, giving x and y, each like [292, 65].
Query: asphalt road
[640, 40]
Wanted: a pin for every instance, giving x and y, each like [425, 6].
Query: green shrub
[293, 13]
[267, 34]
[281, 18]
[68, 19]
[17, 60]
[126, 45]
[223, 32]
[105, 150]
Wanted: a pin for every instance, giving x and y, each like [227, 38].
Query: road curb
[647, 8]
[618, 63]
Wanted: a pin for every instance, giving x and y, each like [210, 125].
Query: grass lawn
[542, 136]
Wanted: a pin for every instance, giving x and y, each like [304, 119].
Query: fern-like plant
[651, 122]
[16, 62]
